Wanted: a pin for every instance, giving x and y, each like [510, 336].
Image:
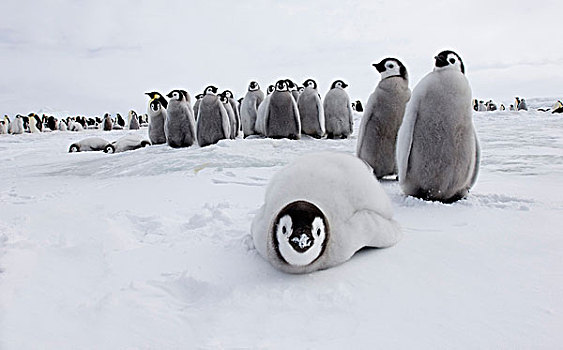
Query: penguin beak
[169, 95]
[441, 61]
[380, 68]
[344, 85]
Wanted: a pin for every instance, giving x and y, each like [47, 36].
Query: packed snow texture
[151, 249]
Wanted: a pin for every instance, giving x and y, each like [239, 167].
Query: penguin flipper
[477, 160]
[404, 141]
[225, 124]
[321, 115]
[296, 116]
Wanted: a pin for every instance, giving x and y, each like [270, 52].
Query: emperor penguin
[157, 117]
[198, 97]
[438, 151]
[129, 142]
[235, 108]
[522, 106]
[475, 105]
[108, 124]
[3, 127]
[517, 103]
[91, 144]
[16, 127]
[249, 107]
[557, 107]
[261, 114]
[511, 108]
[231, 114]
[292, 87]
[239, 104]
[282, 115]
[52, 123]
[213, 122]
[7, 124]
[62, 125]
[179, 126]
[502, 107]
[133, 120]
[120, 122]
[339, 120]
[359, 107]
[481, 106]
[311, 110]
[34, 124]
[383, 116]
[319, 211]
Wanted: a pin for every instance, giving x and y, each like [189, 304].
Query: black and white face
[271, 89]
[281, 85]
[73, 148]
[301, 89]
[210, 90]
[176, 95]
[310, 83]
[391, 67]
[339, 84]
[199, 96]
[155, 106]
[253, 86]
[300, 233]
[228, 93]
[449, 60]
[223, 98]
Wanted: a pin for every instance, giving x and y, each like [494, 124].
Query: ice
[150, 249]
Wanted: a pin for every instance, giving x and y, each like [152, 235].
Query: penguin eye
[318, 232]
[452, 60]
[390, 66]
[284, 230]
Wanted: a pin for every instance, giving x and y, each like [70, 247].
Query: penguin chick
[338, 111]
[213, 121]
[179, 126]
[249, 108]
[311, 110]
[157, 117]
[282, 115]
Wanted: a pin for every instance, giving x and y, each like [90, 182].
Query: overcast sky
[91, 57]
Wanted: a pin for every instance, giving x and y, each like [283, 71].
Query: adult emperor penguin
[262, 109]
[301, 228]
[108, 124]
[133, 120]
[213, 121]
[233, 103]
[34, 124]
[62, 125]
[383, 116]
[249, 107]
[198, 98]
[179, 126]
[311, 110]
[438, 151]
[282, 115]
[120, 122]
[338, 111]
[16, 127]
[157, 117]
[92, 144]
[230, 113]
[359, 107]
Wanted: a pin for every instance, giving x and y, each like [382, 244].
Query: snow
[151, 249]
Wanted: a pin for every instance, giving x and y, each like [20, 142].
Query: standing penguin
[34, 124]
[231, 114]
[108, 124]
[282, 115]
[120, 123]
[383, 116]
[262, 109]
[133, 120]
[522, 106]
[311, 110]
[157, 117]
[213, 121]
[198, 98]
[235, 108]
[249, 108]
[338, 111]
[4, 125]
[320, 210]
[179, 126]
[16, 127]
[359, 107]
[292, 87]
[481, 106]
[239, 104]
[62, 125]
[438, 150]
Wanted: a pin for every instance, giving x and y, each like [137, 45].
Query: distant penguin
[359, 106]
[52, 123]
[231, 114]
[179, 126]
[16, 127]
[239, 104]
[235, 108]
[475, 105]
[311, 111]
[34, 124]
[129, 142]
[62, 125]
[198, 97]
[75, 126]
[353, 107]
[157, 117]
[300, 90]
[301, 228]
[91, 144]
[7, 124]
[213, 122]
[133, 120]
[108, 124]
[557, 107]
[383, 115]
[511, 108]
[249, 108]
[517, 103]
[491, 106]
[502, 107]
[120, 121]
[481, 107]
[3, 127]
[282, 115]
[292, 87]
[262, 109]
[438, 150]
[339, 120]
[523, 106]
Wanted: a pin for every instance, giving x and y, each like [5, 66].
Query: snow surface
[151, 249]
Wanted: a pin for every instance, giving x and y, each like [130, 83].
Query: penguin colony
[425, 139]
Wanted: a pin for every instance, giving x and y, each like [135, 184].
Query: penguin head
[178, 95]
[310, 83]
[210, 90]
[253, 86]
[301, 89]
[74, 148]
[223, 98]
[339, 84]
[155, 105]
[228, 94]
[281, 85]
[240, 100]
[391, 67]
[449, 60]
[199, 96]
[300, 233]
[290, 85]
[158, 97]
[271, 89]
[109, 148]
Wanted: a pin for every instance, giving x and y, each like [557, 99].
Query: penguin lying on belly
[92, 144]
[319, 211]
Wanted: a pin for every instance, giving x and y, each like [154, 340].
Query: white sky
[92, 57]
